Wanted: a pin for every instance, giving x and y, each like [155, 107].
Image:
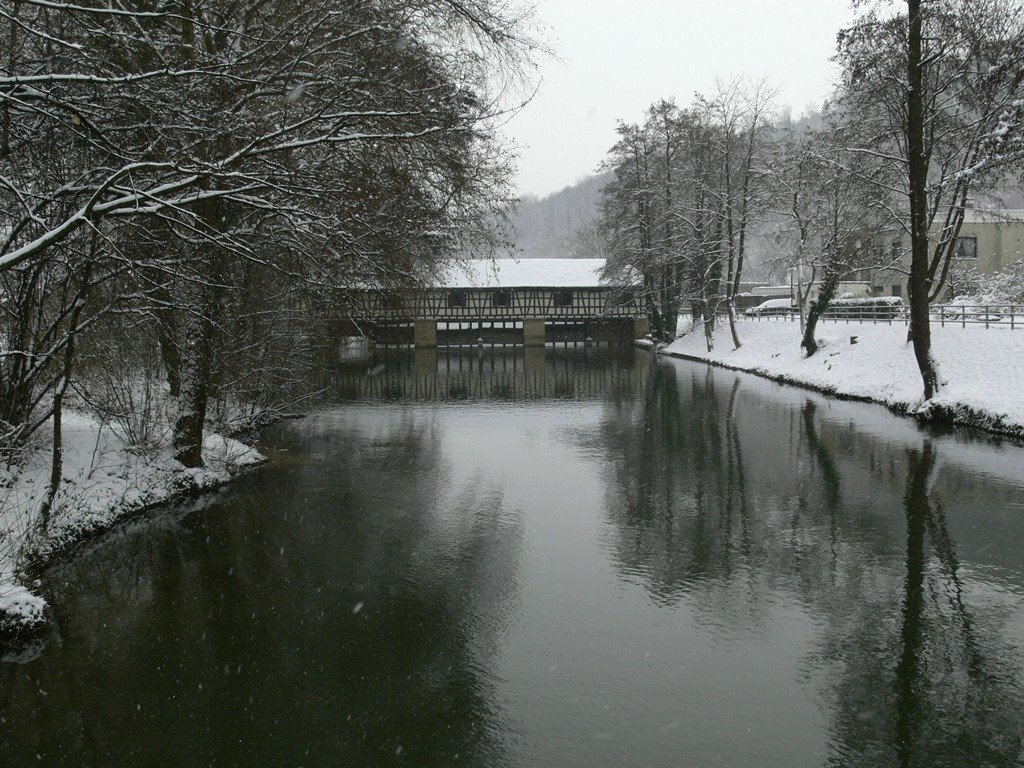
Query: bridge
[505, 301]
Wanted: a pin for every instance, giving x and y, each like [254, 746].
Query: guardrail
[1010, 316]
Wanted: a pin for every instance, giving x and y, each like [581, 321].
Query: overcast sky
[618, 56]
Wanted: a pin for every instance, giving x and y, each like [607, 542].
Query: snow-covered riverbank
[982, 370]
[102, 483]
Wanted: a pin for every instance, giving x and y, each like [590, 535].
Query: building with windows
[990, 240]
[505, 301]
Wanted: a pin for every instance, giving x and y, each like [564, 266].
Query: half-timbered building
[528, 301]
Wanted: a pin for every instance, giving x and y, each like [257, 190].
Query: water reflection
[505, 373]
[259, 628]
[580, 558]
[920, 664]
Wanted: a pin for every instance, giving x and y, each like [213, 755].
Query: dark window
[500, 298]
[563, 298]
[626, 299]
[897, 289]
[966, 248]
[456, 298]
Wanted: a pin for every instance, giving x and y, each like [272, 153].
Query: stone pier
[534, 334]
[425, 333]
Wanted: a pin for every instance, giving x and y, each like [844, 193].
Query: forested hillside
[546, 227]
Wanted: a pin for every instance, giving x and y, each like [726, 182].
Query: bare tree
[212, 146]
[827, 206]
[930, 85]
[739, 113]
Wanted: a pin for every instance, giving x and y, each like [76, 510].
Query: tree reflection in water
[903, 670]
[140, 673]
[951, 705]
[669, 564]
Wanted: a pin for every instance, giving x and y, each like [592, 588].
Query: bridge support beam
[533, 333]
[641, 327]
[425, 333]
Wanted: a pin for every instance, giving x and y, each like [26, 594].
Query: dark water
[578, 560]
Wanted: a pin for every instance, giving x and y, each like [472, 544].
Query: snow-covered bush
[1003, 287]
[16, 520]
[963, 279]
[880, 307]
[20, 610]
[868, 301]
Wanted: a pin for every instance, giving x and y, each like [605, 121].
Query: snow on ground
[982, 369]
[102, 482]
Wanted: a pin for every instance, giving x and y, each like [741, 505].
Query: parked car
[772, 307]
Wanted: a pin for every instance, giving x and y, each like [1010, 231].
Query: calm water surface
[571, 559]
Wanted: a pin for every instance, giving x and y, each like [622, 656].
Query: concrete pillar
[425, 333]
[641, 327]
[533, 362]
[425, 361]
[533, 333]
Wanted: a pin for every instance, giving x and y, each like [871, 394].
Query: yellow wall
[1000, 244]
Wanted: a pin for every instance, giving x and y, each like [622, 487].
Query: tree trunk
[713, 286]
[669, 305]
[829, 286]
[669, 271]
[167, 330]
[167, 338]
[730, 298]
[800, 300]
[195, 349]
[708, 318]
[918, 284]
[654, 308]
[736, 343]
[57, 450]
[709, 330]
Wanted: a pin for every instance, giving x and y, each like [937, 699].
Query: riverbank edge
[960, 415]
[24, 612]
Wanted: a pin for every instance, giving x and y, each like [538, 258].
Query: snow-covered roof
[525, 273]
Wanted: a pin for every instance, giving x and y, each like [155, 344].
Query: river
[580, 557]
